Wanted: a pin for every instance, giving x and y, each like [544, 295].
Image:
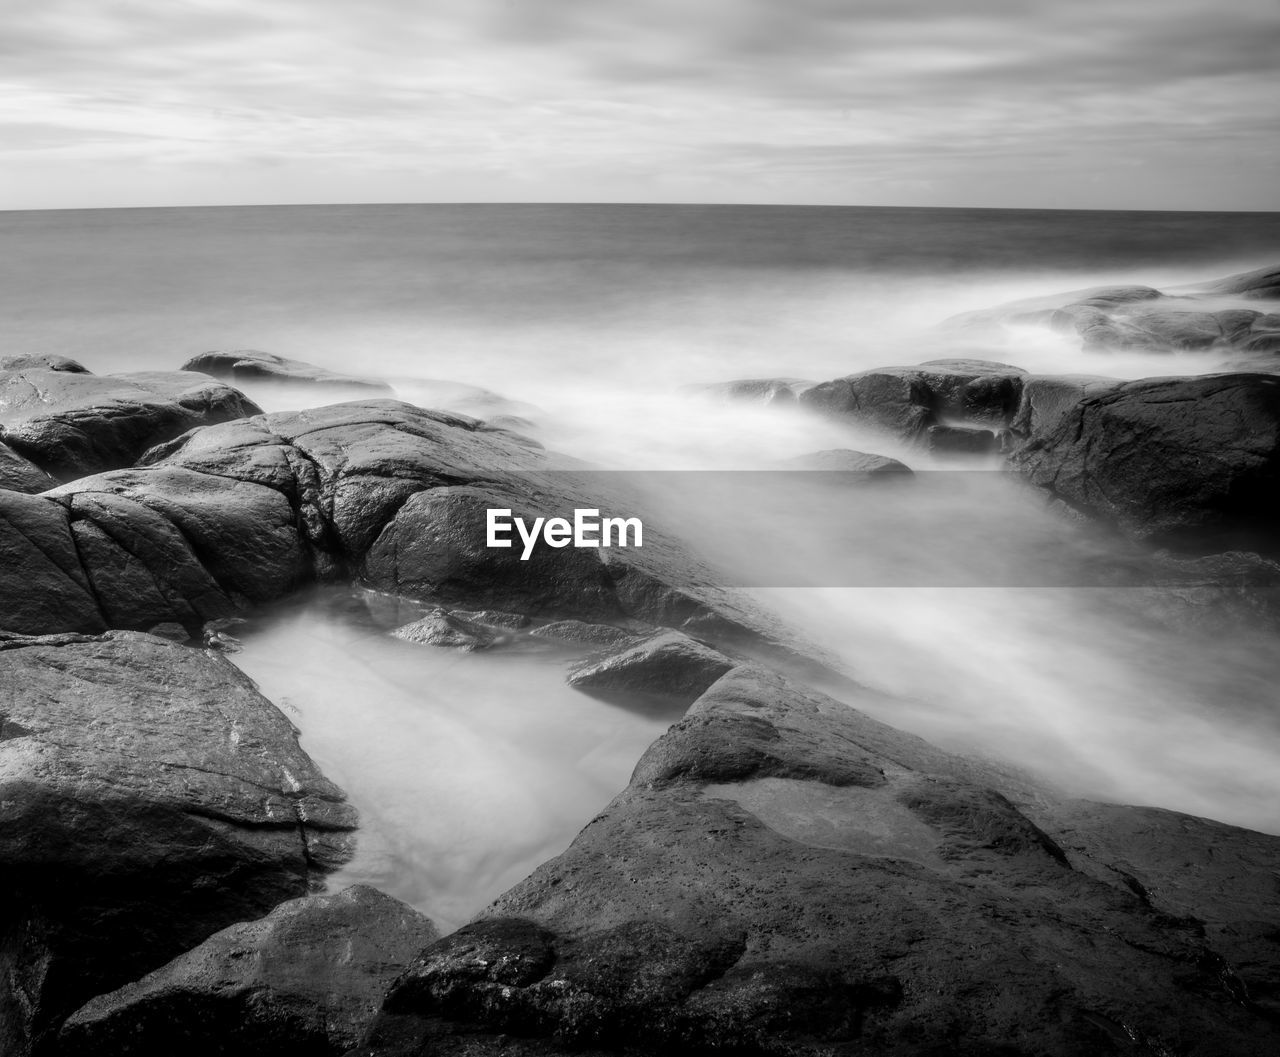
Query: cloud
[567, 99]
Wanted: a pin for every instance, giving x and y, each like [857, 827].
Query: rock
[767, 391]
[1144, 319]
[784, 876]
[1188, 463]
[245, 512]
[21, 475]
[245, 365]
[906, 401]
[1047, 398]
[580, 633]
[439, 628]
[39, 362]
[846, 460]
[668, 668]
[493, 618]
[74, 424]
[149, 796]
[1261, 284]
[960, 441]
[307, 978]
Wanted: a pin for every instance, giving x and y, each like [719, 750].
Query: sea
[595, 326]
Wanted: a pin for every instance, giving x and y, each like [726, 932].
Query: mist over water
[585, 322]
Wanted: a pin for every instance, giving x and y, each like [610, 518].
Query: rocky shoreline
[782, 876]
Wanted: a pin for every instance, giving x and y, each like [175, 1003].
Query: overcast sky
[1124, 103]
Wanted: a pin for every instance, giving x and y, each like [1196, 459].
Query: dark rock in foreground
[1188, 463]
[72, 424]
[306, 979]
[250, 365]
[149, 796]
[784, 876]
[906, 401]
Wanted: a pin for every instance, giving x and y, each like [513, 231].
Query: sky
[1161, 104]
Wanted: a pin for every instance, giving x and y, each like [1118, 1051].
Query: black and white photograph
[629, 528]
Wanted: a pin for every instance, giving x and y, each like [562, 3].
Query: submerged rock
[666, 668]
[578, 632]
[306, 979]
[846, 460]
[251, 365]
[72, 424]
[784, 876]
[767, 391]
[1188, 463]
[149, 796]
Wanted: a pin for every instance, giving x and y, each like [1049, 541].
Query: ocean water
[587, 322]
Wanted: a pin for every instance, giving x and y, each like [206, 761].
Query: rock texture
[149, 796]
[21, 475]
[785, 876]
[250, 365]
[1188, 463]
[668, 668]
[906, 401]
[306, 979]
[381, 491]
[72, 423]
[39, 362]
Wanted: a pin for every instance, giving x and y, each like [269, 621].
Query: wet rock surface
[74, 423]
[19, 474]
[668, 668]
[251, 365]
[306, 979]
[786, 876]
[1188, 463]
[906, 401]
[1140, 318]
[246, 511]
[149, 796]
[846, 460]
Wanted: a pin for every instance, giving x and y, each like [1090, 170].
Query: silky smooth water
[469, 769]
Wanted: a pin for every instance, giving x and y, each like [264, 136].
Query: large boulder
[1188, 463]
[149, 796]
[906, 401]
[73, 424]
[381, 491]
[250, 365]
[306, 979]
[784, 876]
[1260, 284]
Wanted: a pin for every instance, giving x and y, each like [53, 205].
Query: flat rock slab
[308, 978]
[149, 795]
[784, 876]
[250, 365]
[73, 424]
[856, 464]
